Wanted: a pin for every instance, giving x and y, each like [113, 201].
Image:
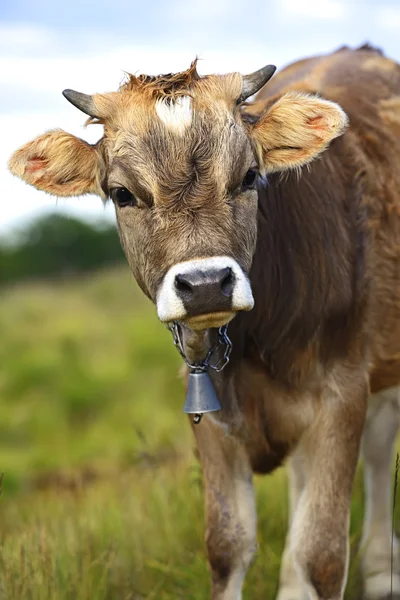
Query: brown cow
[184, 159]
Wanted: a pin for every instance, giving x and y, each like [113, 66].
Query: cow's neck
[305, 275]
[195, 344]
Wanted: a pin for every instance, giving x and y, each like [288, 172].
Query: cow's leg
[319, 535]
[377, 449]
[230, 509]
[291, 586]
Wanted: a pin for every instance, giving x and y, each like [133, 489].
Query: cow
[281, 217]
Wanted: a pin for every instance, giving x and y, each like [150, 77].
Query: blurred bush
[55, 245]
[88, 380]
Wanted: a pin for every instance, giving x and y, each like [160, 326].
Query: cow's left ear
[59, 163]
[294, 130]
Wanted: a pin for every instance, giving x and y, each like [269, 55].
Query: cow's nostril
[227, 283]
[183, 286]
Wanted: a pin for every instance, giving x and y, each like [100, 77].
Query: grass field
[102, 494]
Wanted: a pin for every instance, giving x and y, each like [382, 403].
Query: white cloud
[24, 36]
[204, 10]
[389, 17]
[314, 9]
[104, 71]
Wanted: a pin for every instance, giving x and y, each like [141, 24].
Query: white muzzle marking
[171, 308]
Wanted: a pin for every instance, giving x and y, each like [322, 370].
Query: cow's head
[180, 159]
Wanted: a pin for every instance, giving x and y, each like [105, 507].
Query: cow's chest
[266, 417]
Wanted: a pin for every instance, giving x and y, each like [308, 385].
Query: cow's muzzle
[204, 293]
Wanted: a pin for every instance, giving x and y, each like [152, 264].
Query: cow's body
[360, 173]
[327, 307]
[326, 272]
[325, 275]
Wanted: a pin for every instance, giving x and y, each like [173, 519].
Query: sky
[47, 46]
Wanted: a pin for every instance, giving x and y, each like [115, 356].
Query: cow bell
[200, 396]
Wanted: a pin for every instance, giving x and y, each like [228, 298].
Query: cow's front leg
[319, 534]
[291, 587]
[230, 509]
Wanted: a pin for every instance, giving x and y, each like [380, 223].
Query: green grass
[102, 495]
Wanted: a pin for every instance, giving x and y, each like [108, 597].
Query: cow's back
[367, 86]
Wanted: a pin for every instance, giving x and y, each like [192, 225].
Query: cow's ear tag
[200, 396]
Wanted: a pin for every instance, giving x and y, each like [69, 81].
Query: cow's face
[180, 160]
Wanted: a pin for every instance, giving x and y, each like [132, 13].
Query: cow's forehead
[176, 143]
[184, 115]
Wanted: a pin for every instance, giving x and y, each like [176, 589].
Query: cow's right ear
[59, 163]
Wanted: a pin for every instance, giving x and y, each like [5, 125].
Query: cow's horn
[254, 82]
[84, 102]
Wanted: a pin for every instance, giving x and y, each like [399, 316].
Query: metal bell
[200, 395]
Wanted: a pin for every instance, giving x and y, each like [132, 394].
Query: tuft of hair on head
[169, 85]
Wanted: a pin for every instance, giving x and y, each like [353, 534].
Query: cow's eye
[249, 180]
[122, 197]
